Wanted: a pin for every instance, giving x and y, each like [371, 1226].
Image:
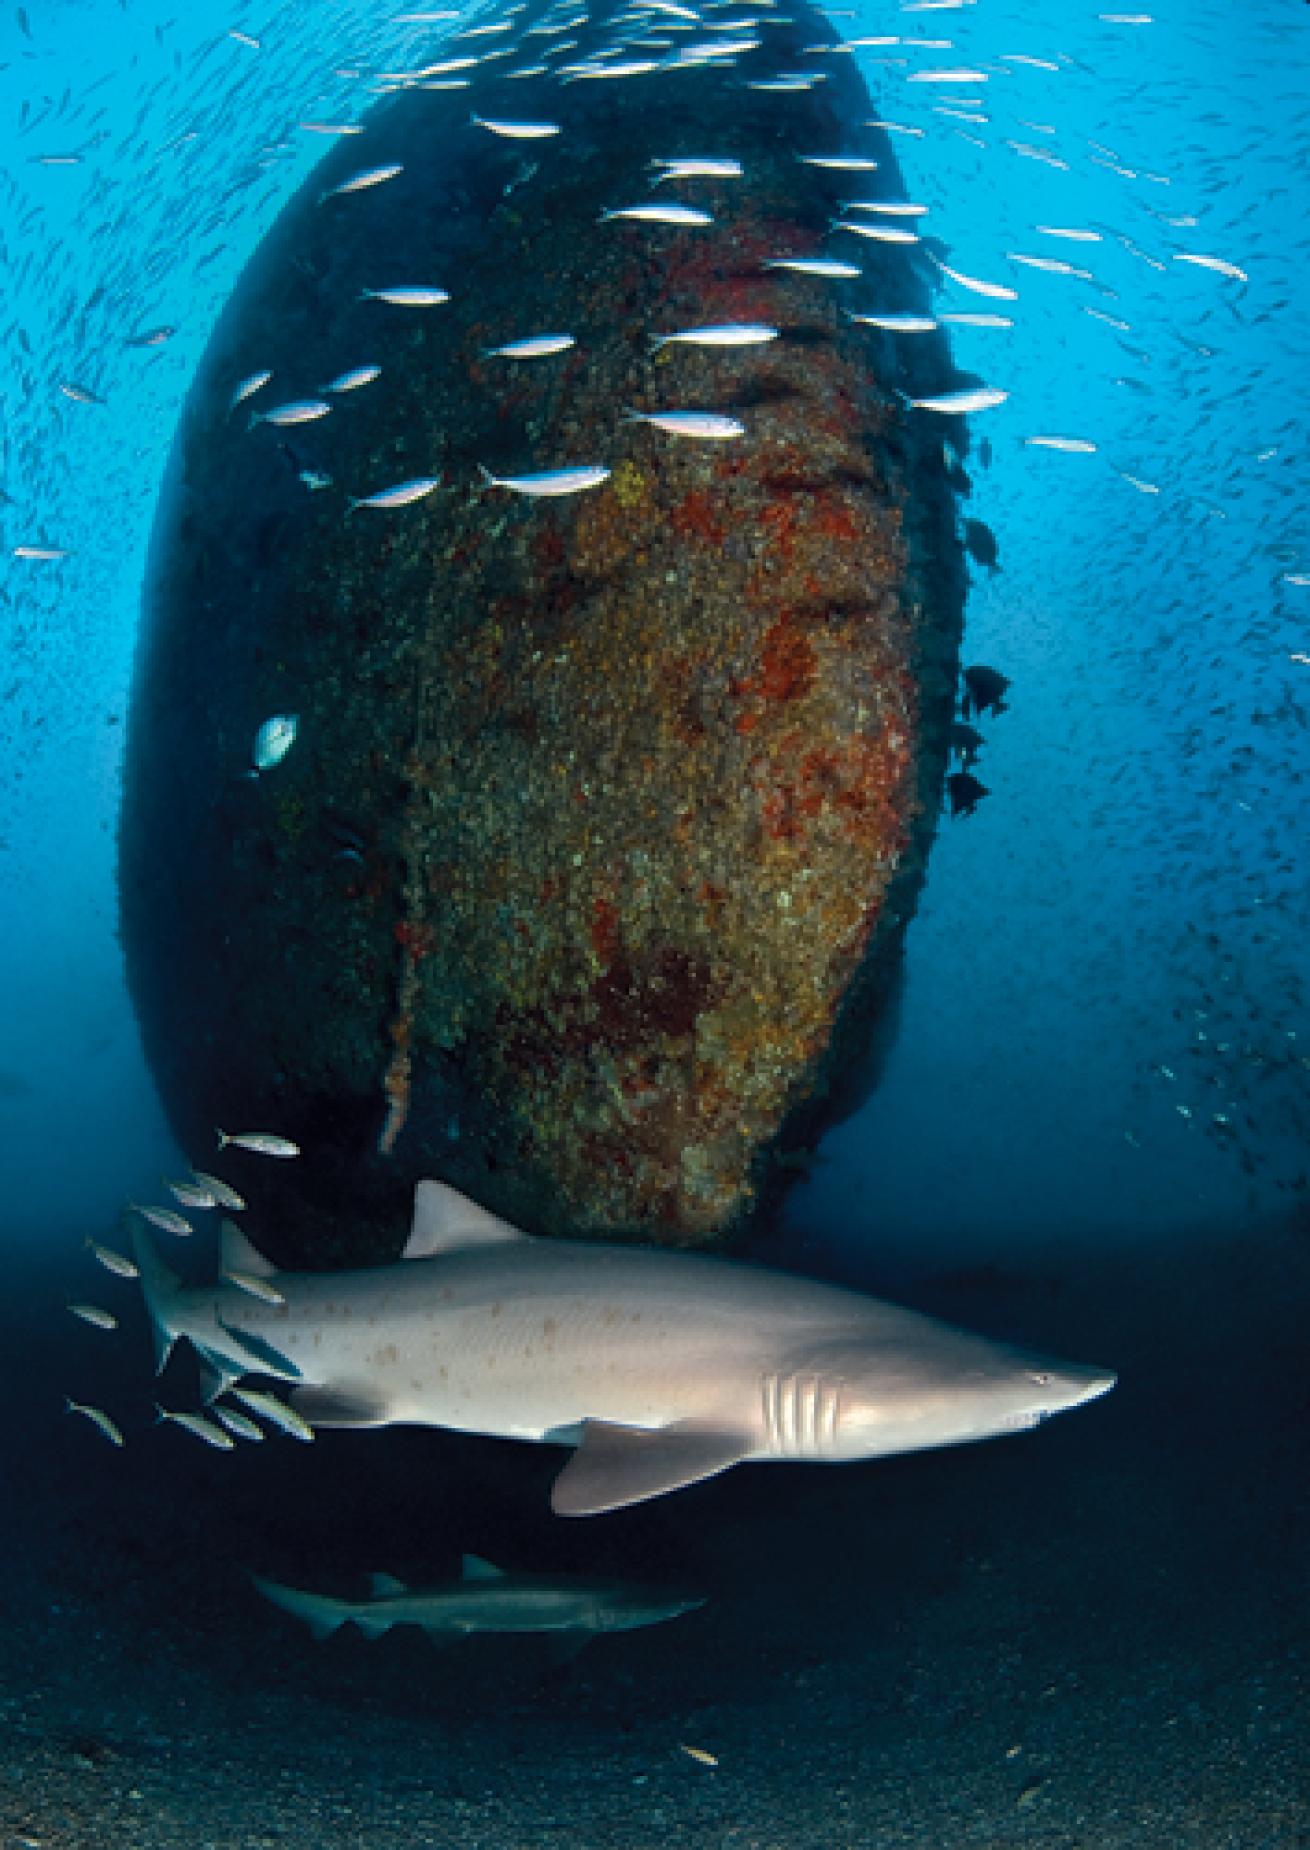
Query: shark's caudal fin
[163, 1294]
[322, 1615]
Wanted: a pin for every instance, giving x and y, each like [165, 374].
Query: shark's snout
[1065, 1385]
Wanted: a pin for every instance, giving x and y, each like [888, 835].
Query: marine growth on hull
[552, 636]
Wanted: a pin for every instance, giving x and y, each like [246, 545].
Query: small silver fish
[247, 387]
[628, 67]
[895, 128]
[197, 1424]
[1219, 264]
[92, 1313]
[840, 163]
[709, 424]
[1001, 292]
[80, 394]
[352, 380]
[117, 1263]
[958, 404]
[531, 347]
[965, 320]
[1113, 321]
[254, 1286]
[549, 481]
[1076, 446]
[40, 552]
[239, 1424]
[360, 182]
[314, 479]
[813, 266]
[516, 131]
[960, 76]
[897, 323]
[890, 208]
[407, 295]
[297, 411]
[260, 1143]
[224, 1195]
[689, 167]
[164, 1218]
[659, 215]
[720, 334]
[400, 496]
[1055, 265]
[100, 1420]
[877, 233]
[277, 1411]
[191, 1194]
[273, 741]
[332, 128]
[1072, 233]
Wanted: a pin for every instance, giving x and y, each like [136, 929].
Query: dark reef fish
[980, 544]
[965, 793]
[984, 692]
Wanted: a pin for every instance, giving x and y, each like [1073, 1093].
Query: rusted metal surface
[590, 862]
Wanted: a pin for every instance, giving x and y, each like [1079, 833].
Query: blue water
[1104, 1046]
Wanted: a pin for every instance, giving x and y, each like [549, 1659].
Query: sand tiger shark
[487, 1599]
[660, 1368]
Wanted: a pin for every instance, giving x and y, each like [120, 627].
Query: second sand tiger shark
[660, 1368]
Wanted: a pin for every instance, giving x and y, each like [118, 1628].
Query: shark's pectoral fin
[617, 1465]
[351, 1404]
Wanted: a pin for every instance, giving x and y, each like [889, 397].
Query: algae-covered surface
[589, 866]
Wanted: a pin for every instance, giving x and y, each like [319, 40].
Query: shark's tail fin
[163, 1293]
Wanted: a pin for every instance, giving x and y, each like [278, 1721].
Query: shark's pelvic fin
[380, 1585]
[257, 1355]
[446, 1221]
[618, 1465]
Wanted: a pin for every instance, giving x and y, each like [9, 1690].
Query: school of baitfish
[647, 38]
[641, 41]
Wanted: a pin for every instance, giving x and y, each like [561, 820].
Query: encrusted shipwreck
[588, 868]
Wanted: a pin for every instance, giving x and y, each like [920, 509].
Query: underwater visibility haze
[662, 652]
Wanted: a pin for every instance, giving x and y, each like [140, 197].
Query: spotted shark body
[660, 1368]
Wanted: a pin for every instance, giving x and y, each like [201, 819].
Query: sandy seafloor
[1094, 1635]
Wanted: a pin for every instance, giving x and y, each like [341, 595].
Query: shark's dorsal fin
[382, 1584]
[446, 1221]
[473, 1567]
[618, 1465]
[236, 1254]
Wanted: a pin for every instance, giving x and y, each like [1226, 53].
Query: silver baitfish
[407, 295]
[710, 424]
[400, 496]
[274, 740]
[298, 411]
[549, 481]
[360, 182]
[531, 347]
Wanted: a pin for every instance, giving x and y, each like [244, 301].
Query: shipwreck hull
[588, 869]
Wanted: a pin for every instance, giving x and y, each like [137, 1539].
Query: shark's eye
[1040, 1380]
